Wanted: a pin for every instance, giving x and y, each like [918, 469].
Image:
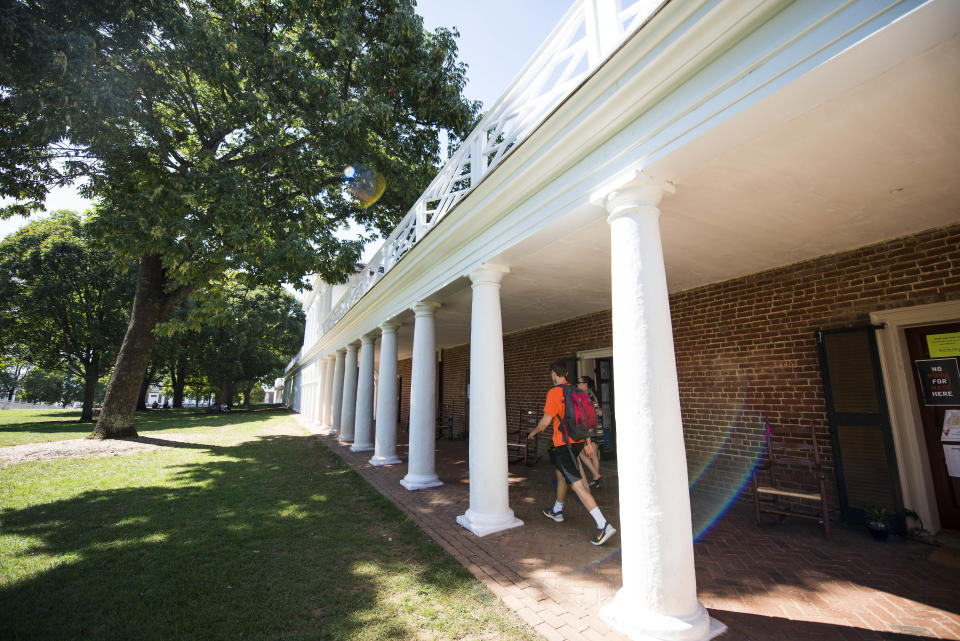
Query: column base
[633, 623]
[361, 447]
[414, 482]
[384, 460]
[484, 524]
[346, 440]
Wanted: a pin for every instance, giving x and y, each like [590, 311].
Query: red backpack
[579, 418]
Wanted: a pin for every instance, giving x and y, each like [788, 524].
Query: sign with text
[944, 344]
[940, 381]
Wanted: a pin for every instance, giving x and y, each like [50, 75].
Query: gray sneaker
[550, 514]
[603, 534]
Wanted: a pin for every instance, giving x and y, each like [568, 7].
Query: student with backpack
[572, 415]
[590, 455]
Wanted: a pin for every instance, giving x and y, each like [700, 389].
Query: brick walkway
[783, 582]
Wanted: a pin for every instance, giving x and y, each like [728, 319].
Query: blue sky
[497, 37]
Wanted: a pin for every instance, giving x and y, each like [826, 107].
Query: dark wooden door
[603, 376]
[946, 487]
[864, 459]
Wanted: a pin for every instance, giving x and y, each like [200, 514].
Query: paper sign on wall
[951, 453]
[951, 426]
[941, 345]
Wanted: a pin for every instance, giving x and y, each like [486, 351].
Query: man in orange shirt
[568, 461]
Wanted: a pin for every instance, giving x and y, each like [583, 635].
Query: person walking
[590, 455]
[568, 452]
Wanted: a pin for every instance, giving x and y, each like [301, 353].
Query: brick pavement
[783, 582]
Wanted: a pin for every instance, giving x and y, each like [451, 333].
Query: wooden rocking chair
[780, 459]
[519, 447]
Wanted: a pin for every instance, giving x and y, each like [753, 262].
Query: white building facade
[648, 149]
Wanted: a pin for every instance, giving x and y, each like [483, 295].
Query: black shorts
[568, 461]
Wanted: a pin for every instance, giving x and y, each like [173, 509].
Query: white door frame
[916, 480]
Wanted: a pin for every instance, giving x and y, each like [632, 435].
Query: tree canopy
[65, 299]
[215, 135]
[230, 338]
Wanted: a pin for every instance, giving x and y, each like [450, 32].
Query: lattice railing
[586, 35]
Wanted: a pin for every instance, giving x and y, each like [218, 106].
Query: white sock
[557, 507]
[598, 517]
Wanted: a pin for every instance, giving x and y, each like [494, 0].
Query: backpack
[579, 418]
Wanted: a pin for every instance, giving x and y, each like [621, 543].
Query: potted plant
[876, 520]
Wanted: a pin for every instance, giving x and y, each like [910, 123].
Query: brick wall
[453, 410]
[746, 348]
[746, 351]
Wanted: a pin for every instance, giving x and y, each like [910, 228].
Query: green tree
[176, 355]
[64, 298]
[215, 135]
[72, 389]
[42, 386]
[248, 336]
[256, 395]
[13, 367]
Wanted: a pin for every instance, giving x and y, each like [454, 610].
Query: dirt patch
[82, 447]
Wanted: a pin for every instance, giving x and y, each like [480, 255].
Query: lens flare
[732, 460]
[744, 438]
[364, 185]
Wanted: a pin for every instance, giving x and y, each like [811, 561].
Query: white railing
[589, 32]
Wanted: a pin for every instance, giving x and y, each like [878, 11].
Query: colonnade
[658, 598]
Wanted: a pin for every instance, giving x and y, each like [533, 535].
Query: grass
[251, 530]
[18, 427]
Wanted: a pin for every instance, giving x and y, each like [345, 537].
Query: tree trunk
[91, 371]
[144, 388]
[150, 305]
[246, 396]
[225, 393]
[178, 374]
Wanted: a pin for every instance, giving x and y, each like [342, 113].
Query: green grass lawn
[250, 530]
[34, 426]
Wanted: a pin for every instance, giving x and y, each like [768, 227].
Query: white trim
[916, 480]
[604, 352]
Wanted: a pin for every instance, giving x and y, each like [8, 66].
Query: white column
[336, 402]
[318, 393]
[348, 413]
[363, 424]
[328, 391]
[658, 599]
[307, 405]
[423, 402]
[489, 509]
[385, 443]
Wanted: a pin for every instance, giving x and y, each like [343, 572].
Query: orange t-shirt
[555, 407]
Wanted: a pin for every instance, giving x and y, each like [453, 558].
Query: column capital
[634, 193]
[352, 347]
[342, 350]
[423, 308]
[389, 327]
[369, 337]
[489, 273]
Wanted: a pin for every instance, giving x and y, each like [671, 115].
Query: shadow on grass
[272, 538]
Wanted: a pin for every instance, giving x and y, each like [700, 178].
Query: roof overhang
[790, 131]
